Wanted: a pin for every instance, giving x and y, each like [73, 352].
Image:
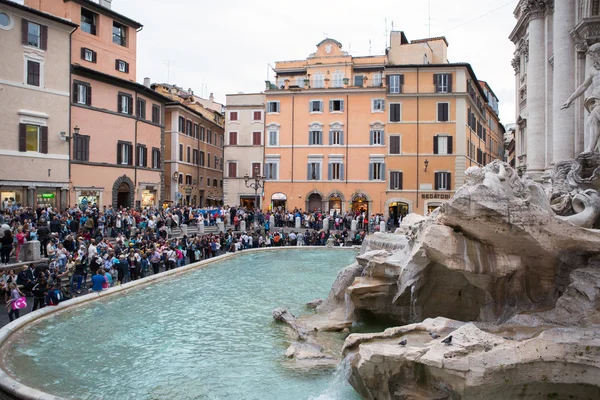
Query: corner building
[389, 134]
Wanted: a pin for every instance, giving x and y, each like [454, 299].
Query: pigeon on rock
[447, 341]
[434, 335]
[402, 343]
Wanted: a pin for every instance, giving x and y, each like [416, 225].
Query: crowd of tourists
[90, 249]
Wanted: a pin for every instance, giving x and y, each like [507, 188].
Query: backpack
[54, 297]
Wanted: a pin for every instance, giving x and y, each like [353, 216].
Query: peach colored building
[116, 124]
[193, 148]
[34, 107]
[388, 134]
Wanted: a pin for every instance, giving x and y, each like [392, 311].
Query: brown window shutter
[449, 83]
[83, 53]
[119, 158]
[117, 64]
[127, 67]
[145, 157]
[158, 159]
[387, 83]
[119, 108]
[44, 130]
[74, 100]
[22, 137]
[86, 149]
[44, 34]
[88, 100]
[24, 32]
[130, 154]
[93, 56]
[130, 101]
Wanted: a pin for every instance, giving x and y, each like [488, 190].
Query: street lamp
[426, 162]
[259, 182]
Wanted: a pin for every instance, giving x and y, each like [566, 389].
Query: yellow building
[387, 134]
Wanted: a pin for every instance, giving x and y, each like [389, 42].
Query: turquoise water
[207, 334]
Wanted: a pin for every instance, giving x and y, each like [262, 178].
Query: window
[82, 93]
[377, 170]
[255, 169]
[202, 159]
[479, 156]
[195, 157]
[142, 155]
[35, 35]
[208, 160]
[376, 137]
[180, 152]
[188, 179]
[358, 80]
[215, 183]
[395, 180]
[377, 79]
[188, 128]
[281, 83]
[233, 116]
[33, 138]
[233, 136]
[395, 144]
[318, 81]
[33, 73]
[377, 105]
[180, 179]
[273, 138]
[443, 83]
[394, 83]
[81, 147]
[315, 138]
[155, 114]
[141, 109]
[442, 181]
[314, 171]
[201, 181]
[315, 106]
[338, 79]
[125, 103]
[189, 154]
[124, 153]
[395, 112]
[300, 81]
[119, 35]
[442, 112]
[88, 55]
[202, 133]
[209, 136]
[336, 105]
[258, 114]
[88, 21]
[122, 66]
[5, 21]
[155, 158]
[257, 138]
[271, 170]
[272, 107]
[442, 144]
[195, 131]
[232, 169]
[336, 171]
[181, 124]
[336, 137]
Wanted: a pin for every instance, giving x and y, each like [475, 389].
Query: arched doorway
[314, 202]
[123, 192]
[335, 203]
[397, 211]
[360, 204]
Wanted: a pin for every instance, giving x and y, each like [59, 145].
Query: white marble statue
[592, 101]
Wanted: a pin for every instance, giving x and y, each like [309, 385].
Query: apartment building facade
[193, 149]
[388, 134]
[244, 148]
[117, 124]
[34, 107]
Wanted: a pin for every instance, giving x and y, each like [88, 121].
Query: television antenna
[169, 64]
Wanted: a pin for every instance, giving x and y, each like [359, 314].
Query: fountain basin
[204, 333]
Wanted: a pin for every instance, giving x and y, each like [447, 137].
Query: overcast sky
[225, 46]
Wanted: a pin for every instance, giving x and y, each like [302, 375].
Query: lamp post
[259, 182]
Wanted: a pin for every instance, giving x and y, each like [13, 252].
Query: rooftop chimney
[211, 98]
[105, 3]
[147, 82]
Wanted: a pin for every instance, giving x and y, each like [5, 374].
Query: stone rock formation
[507, 267]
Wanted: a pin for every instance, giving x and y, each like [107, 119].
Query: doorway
[314, 202]
[360, 204]
[397, 211]
[123, 195]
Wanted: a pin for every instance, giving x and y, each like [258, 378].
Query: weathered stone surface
[285, 316]
[314, 303]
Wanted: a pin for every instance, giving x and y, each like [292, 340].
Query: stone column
[243, 226]
[536, 91]
[563, 121]
[31, 196]
[382, 227]
[298, 223]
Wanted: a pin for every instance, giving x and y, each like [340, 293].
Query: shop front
[434, 200]
[398, 210]
[278, 200]
[11, 196]
[87, 198]
[46, 197]
[249, 200]
[335, 203]
[360, 204]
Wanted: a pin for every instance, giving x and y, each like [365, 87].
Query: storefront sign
[88, 193]
[435, 196]
[48, 195]
[278, 196]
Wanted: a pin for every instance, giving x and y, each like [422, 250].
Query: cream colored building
[34, 107]
[244, 151]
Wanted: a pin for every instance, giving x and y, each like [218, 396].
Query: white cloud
[227, 45]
